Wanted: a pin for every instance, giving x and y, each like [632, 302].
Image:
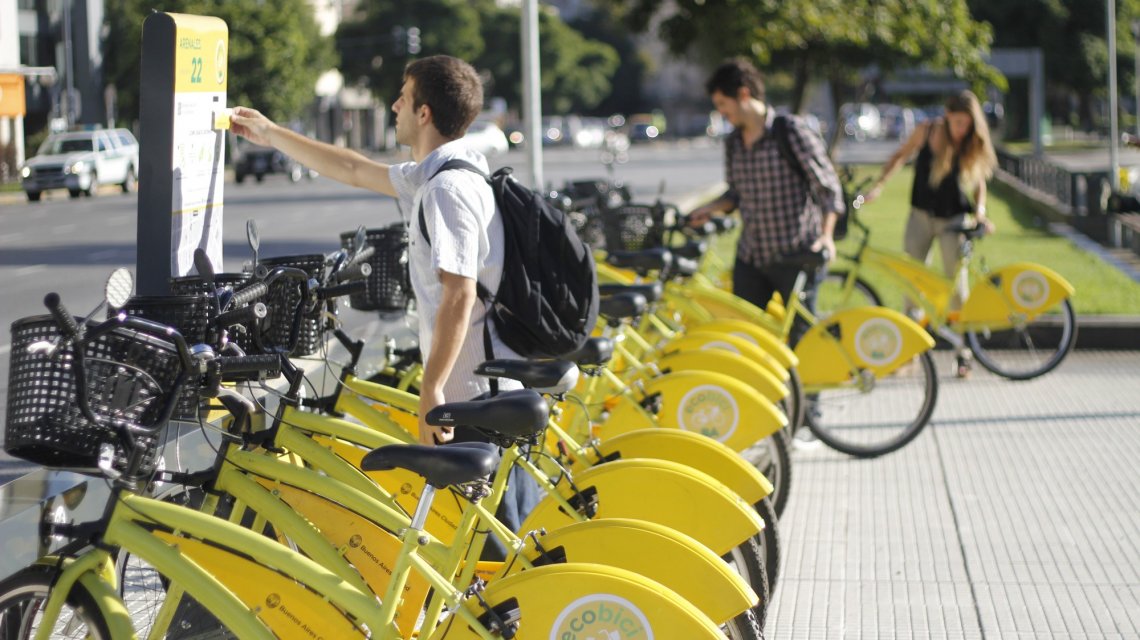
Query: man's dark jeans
[756, 284]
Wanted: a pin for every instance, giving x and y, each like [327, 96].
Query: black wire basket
[127, 375]
[190, 316]
[242, 335]
[282, 300]
[389, 287]
[633, 227]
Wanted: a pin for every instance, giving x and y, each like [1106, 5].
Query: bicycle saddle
[520, 413]
[971, 233]
[691, 250]
[621, 306]
[685, 267]
[652, 291]
[440, 466]
[807, 259]
[645, 260]
[594, 353]
[544, 376]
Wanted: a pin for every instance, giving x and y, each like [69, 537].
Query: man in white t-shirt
[440, 98]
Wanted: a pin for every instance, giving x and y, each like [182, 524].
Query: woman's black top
[944, 201]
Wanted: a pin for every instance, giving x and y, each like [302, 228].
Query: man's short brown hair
[733, 74]
[452, 89]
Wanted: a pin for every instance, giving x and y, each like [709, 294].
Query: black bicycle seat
[646, 260]
[691, 250]
[621, 306]
[520, 413]
[971, 233]
[544, 376]
[807, 259]
[685, 267]
[652, 291]
[594, 353]
[440, 466]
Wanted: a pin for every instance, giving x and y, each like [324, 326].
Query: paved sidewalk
[1014, 515]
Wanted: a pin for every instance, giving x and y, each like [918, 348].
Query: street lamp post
[1136, 70]
[1113, 119]
[69, 99]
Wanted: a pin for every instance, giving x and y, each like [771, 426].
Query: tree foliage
[276, 51]
[828, 39]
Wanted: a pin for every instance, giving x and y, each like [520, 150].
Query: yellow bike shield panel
[610, 273]
[722, 304]
[874, 338]
[700, 340]
[1015, 292]
[658, 491]
[729, 363]
[692, 450]
[767, 342]
[405, 488]
[588, 602]
[704, 402]
[371, 550]
[656, 552]
[931, 285]
[287, 607]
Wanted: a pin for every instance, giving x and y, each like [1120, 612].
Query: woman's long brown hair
[976, 157]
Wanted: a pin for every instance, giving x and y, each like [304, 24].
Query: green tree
[576, 72]
[276, 51]
[833, 40]
[374, 45]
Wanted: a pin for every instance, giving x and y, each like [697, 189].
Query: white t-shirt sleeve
[400, 174]
[455, 229]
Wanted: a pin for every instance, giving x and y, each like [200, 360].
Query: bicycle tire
[743, 627]
[827, 299]
[992, 350]
[875, 422]
[770, 542]
[24, 594]
[747, 559]
[772, 456]
[793, 404]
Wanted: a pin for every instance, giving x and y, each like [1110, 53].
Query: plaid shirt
[778, 215]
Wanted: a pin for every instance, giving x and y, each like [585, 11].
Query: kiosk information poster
[184, 118]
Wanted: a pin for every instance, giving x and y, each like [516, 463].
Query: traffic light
[413, 40]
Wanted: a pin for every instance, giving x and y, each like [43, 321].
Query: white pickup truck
[80, 161]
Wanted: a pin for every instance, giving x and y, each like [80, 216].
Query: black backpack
[547, 302]
[780, 127]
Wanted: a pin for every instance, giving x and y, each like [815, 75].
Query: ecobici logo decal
[878, 341]
[709, 410]
[1030, 289]
[601, 616]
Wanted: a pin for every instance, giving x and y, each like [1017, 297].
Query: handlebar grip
[361, 256]
[253, 292]
[65, 320]
[346, 289]
[248, 364]
[243, 315]
[355, 272]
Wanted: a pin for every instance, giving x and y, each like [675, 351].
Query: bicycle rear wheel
[1030, 350]
[879, 416]
[772, 456]
[22, 601]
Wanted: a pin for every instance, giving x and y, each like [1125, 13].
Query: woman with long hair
[954, 159]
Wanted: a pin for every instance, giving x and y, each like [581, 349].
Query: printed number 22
[195, 70]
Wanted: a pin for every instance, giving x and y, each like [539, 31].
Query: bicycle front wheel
[836, 293]
[772, 457]
[1029, 350]
[876, 416]
[22, 601]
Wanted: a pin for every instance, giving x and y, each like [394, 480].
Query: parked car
[486, 137]
[80, 161]
[258, 161]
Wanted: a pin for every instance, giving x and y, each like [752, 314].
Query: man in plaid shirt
[784, 209]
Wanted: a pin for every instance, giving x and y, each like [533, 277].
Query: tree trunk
[837, 95]
[799, 84]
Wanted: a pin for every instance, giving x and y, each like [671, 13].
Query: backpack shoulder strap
[447, 166]
[780, 132]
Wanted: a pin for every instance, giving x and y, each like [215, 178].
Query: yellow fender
[661, 492]
[580, 601]
[722, 304]
[874, 338]
[690, 449]
[1022, 289]
[695, 573]
[729, 363]
[701, 340]
[767, 342]
[704, 402]
[610, 273]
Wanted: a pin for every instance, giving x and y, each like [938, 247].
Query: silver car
[80, 161]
